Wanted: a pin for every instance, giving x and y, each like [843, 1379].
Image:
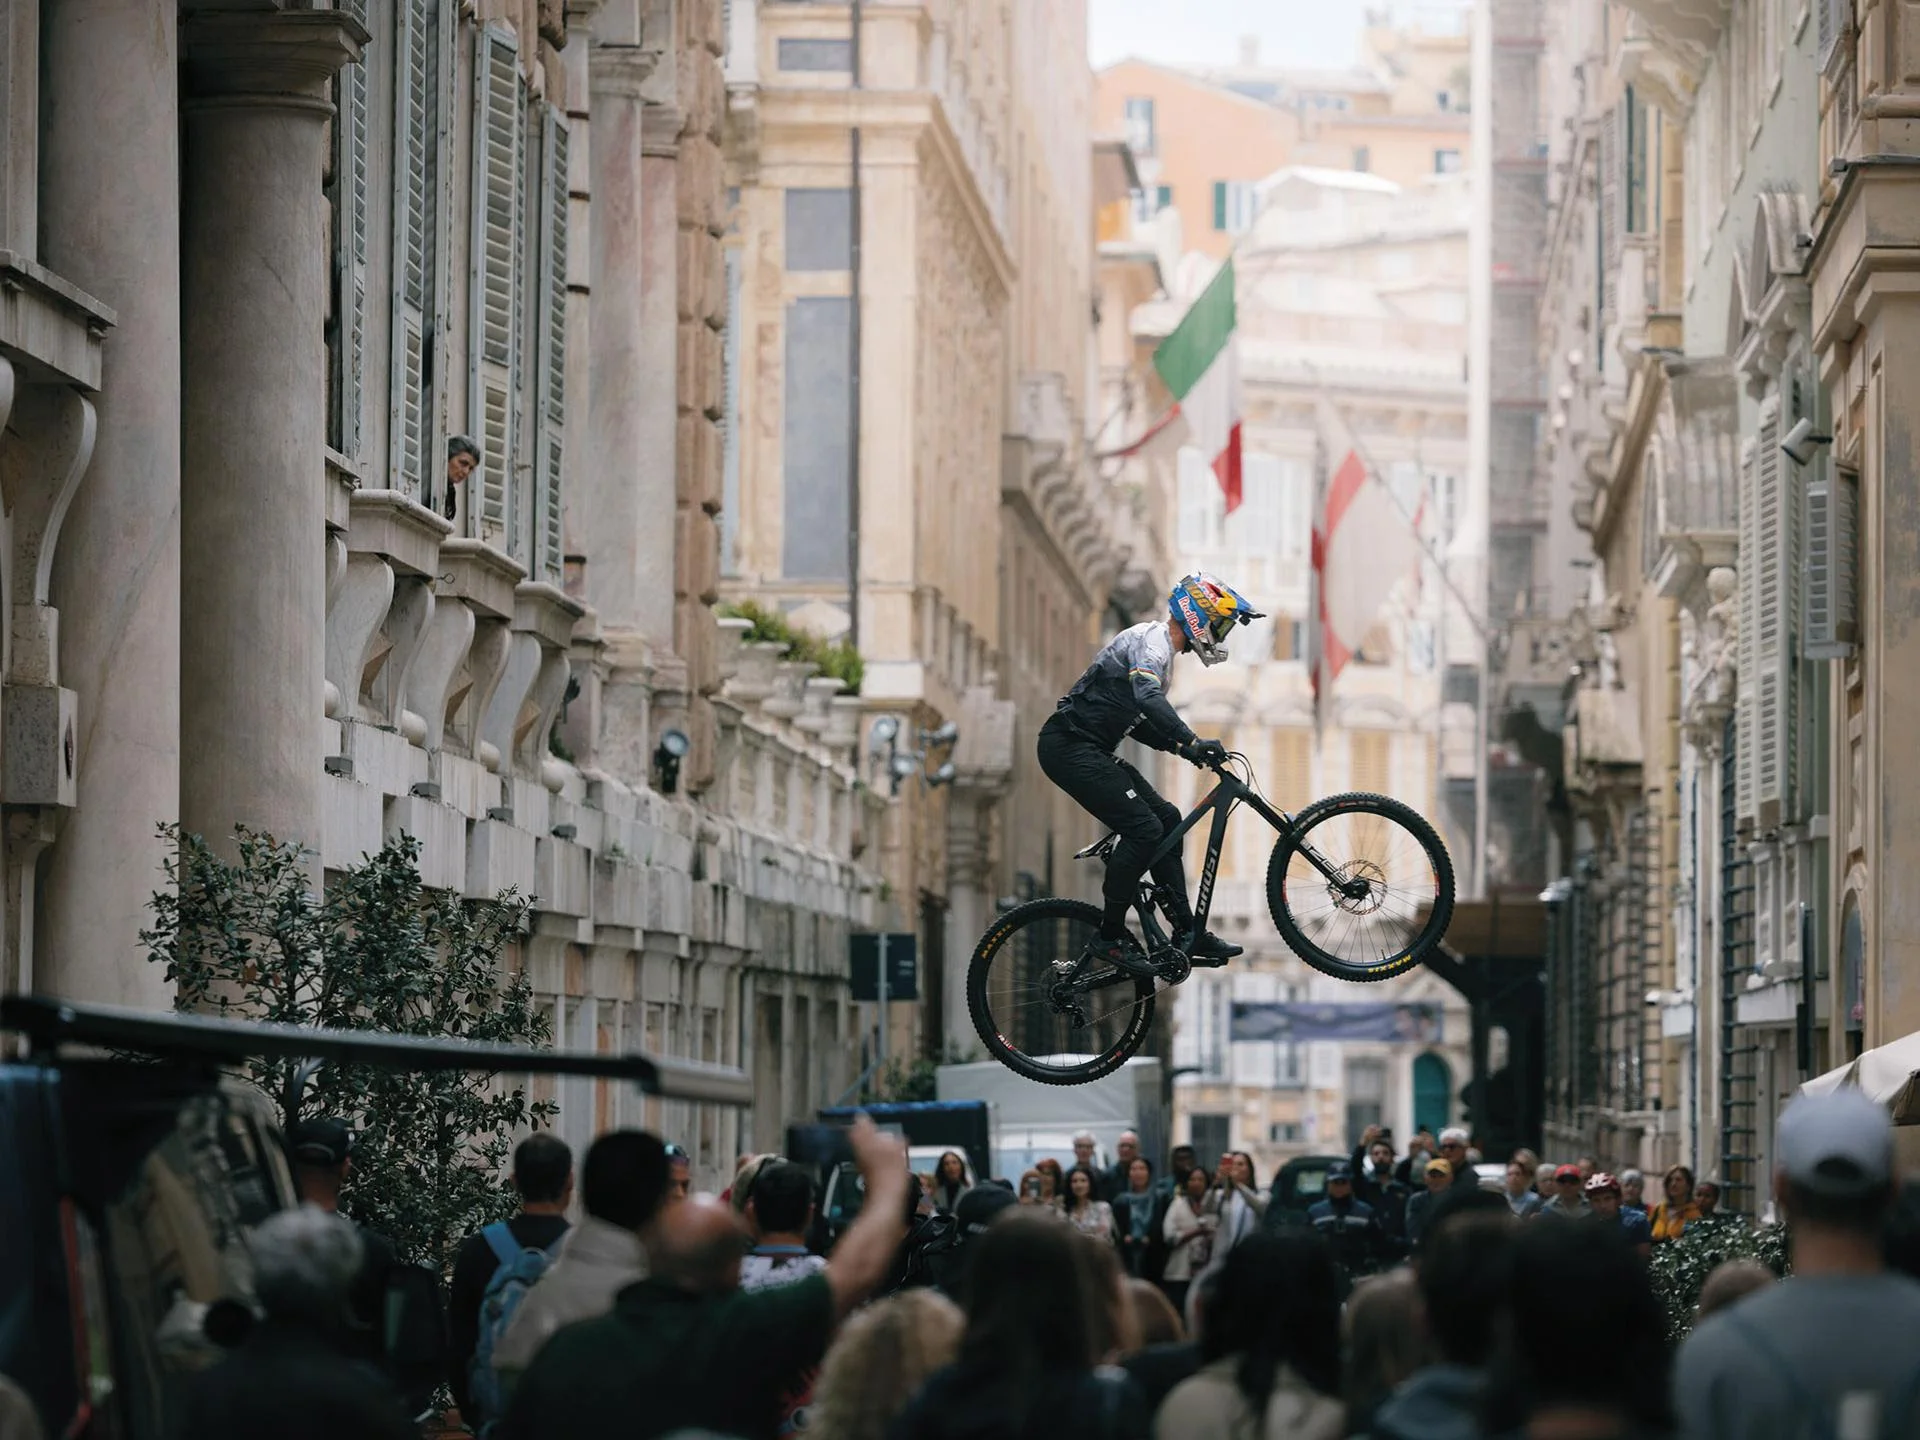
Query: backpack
[519, 1269]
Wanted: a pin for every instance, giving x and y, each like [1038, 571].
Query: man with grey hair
[1453, 1150]
[291, 1376]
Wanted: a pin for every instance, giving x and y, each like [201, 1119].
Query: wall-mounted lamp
[1800, 442]
[667, 755]
[898, 765]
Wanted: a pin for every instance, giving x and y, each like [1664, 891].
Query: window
[1443, 101]
[1140, 131]
[1202, 506]
[1362, 158]
[1366, 1096]
[498, 361]
[1369, 752]
[1284, 1132]
[819, 230]
[1149, 203]
[1210, 1136]
[816, 470]
[1446, 162]
[816, 55]
[1235, 204]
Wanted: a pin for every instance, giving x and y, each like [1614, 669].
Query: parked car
[1301, 1184]
[131, 1188]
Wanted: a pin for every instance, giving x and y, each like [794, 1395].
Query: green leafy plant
[247, 938]
[836, 658]
[1680, 1268]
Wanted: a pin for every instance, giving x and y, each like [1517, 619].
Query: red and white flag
[1200, 364]
[1363, 544]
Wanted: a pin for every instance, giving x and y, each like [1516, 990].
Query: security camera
[1801, 442]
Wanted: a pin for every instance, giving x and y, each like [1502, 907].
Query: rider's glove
[1204, 752]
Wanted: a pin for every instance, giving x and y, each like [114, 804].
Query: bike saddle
[1102, 847]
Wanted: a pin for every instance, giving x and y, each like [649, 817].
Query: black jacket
[958, 1404]
[1124, 692]
[289, 1382]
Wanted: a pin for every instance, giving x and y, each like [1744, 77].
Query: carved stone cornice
[1666, 70]
[279, 59]
[1683, 24]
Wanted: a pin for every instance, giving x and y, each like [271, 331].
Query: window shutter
[1292, 769]
[350, 252]
[1610, 167]
[1220, 205]
[550, 381]
[1832, 520]
[415, 129]
[1772, 613]
[1163, 197]
[730, 422]
[1836, 18]
[498, 222]
[1747, 646]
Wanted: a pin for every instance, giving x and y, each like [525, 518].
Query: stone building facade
[910, 272]
[241, 594]
[1352, 296]
[1693, 972]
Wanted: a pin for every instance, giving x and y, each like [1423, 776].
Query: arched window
[1432, 1093]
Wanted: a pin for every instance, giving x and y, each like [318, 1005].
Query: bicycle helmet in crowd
[1207, 610]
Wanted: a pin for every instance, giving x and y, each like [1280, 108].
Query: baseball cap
[976, 1208]
[1838, 1144]
[1439, 1167]
[1341, 1171]
[1567, 1172]
[321, 1142]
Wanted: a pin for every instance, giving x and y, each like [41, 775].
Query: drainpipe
[853, 363]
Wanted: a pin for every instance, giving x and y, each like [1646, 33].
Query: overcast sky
[1292, 32]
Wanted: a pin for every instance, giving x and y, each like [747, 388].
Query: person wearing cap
[1438, 1177]
[1348, 1225]
[321, 1149]
[1830, 1350]
[1568, 1199]
[1608, 1207]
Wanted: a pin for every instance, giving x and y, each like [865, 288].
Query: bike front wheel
[1043, 1008]
[1361, 888]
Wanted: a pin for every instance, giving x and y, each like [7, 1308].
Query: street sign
[903, 970]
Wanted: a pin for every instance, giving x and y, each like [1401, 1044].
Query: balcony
[1690, 482]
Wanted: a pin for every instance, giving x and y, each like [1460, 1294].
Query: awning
[1890, 1074]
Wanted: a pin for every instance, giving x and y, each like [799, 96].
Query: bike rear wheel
[1388, 900]
[1045, 1012]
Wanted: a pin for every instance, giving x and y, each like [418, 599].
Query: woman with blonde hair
[879, 1361]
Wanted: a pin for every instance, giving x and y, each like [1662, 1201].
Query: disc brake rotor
[1361, 888]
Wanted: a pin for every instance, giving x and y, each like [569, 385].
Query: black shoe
[1208, 950]
[1121, 951]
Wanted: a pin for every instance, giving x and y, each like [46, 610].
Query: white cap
[1838, 1144]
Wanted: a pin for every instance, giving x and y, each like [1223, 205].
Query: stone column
[109, 200]
[253, 496]
[655, 476]
[622, 549]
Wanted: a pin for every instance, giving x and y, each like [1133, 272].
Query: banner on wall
[1303, 1022]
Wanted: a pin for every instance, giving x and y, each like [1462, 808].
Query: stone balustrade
[447, 674]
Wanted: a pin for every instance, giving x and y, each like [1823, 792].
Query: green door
[1432, 1093]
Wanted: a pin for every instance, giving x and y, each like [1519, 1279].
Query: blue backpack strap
[499, 1238]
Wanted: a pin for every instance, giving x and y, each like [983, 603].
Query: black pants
[1115, 794]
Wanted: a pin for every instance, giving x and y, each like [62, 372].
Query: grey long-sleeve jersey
[1124, 690]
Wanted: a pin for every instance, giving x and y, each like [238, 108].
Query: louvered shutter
[1832, 622]
[1836, 16]
[1773, 536]
[495, 341]
[409, 433]
[551, 325]
[1610, 209]
[1292, 784]
[350, 252]
[730, 422]
[1747, 649]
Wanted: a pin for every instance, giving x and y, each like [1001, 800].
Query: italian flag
[1201, 366]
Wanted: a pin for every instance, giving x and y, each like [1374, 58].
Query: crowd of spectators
[1108, 1303]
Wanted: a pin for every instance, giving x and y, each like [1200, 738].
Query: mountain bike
[1359, 886]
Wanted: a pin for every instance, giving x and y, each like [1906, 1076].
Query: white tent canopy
[1890, 1074]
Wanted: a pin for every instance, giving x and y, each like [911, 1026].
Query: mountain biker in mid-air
[1124, 692]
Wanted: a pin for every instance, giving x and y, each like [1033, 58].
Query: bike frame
[1231, 791]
